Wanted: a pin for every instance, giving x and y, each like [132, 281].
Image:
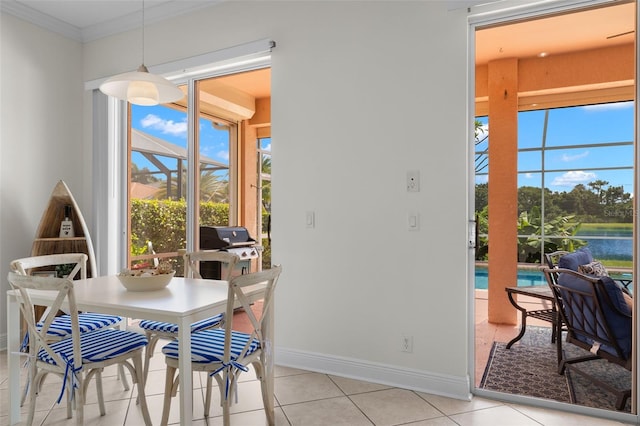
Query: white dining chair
[155, 330]
[61, 328]
[225, 353]
[78, 357]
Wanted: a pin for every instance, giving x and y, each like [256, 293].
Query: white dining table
[182, 302]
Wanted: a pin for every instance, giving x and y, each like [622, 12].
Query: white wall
[40, 134]
[362, 92]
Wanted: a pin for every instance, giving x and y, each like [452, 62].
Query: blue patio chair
[598, 316]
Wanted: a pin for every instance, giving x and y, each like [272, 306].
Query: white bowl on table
[145, 281]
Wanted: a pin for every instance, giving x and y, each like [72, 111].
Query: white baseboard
[405, 378]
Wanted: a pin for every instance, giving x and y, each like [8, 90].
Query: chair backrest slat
[26, 265]
[64, 300]
[192, 262]
[243, 291]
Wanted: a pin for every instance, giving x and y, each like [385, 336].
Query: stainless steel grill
[233, 239]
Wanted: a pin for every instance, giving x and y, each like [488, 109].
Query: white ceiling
[87, 20]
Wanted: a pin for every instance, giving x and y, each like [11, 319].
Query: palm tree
[482, 158]
[213, 187]
[265, 170]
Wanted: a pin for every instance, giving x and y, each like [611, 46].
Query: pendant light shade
[141, 88]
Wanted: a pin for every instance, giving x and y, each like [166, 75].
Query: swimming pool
[525, 277]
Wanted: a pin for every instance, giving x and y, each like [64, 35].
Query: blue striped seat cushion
[167, 327]
[208, 346]
[88, 321]
[97, 345]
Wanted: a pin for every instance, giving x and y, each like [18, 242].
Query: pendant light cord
[142, 32]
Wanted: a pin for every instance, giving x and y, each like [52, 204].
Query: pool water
[525, 277]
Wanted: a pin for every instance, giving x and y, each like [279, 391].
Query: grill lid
[221, 237]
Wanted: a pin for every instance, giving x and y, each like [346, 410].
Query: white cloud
[165, 126]
[573, 178]
[568, 158]
[223, 154]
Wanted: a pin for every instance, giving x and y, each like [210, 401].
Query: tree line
[596, 202]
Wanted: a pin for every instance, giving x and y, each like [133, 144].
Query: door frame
[498, 13]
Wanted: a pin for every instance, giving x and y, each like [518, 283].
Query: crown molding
[107, 28]
[40, 19]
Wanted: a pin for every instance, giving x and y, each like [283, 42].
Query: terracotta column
[503, 187]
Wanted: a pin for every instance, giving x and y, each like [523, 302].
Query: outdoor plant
[163, 223]
[559, 234]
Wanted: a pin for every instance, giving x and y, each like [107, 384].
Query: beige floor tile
[438, 421]
[450, 406]
[251, 418]
[280, 371]
[116, 411]
[394, 406]
[156, 402]
[305, 387]
[332, 411]
[351, 386]
[495, 416]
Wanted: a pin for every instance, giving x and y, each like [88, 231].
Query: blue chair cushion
[615, 315]
[573, 260]
[88, 321]
[208, 346]
[167, 327]
[97, 346]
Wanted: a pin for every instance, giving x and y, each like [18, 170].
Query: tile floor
[302, 398]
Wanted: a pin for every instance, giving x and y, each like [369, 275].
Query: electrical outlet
[406, 344]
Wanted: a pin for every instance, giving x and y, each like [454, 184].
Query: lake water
[609, 248]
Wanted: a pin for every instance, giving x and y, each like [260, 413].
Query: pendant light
[141, 87]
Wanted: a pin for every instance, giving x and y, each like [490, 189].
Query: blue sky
[171, 125]
[577, 126]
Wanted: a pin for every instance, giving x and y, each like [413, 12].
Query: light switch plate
[310, 219]
[413, 181]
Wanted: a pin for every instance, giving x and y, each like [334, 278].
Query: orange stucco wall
[503, 190]
[250, 130]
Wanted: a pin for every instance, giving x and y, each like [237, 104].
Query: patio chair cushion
[97, 346]
[208, 346]
[88, 321]
[617, 314]
[594, 268]
[575, 259]
[167, 327]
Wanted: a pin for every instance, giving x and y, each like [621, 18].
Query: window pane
[530, 161]
[157, 187]
[214, 169]
[530, 129]
[589, 157]
[611, 122]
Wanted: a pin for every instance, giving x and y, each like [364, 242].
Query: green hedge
[163, 222]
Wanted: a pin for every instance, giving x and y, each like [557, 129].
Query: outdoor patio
[487, 333]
